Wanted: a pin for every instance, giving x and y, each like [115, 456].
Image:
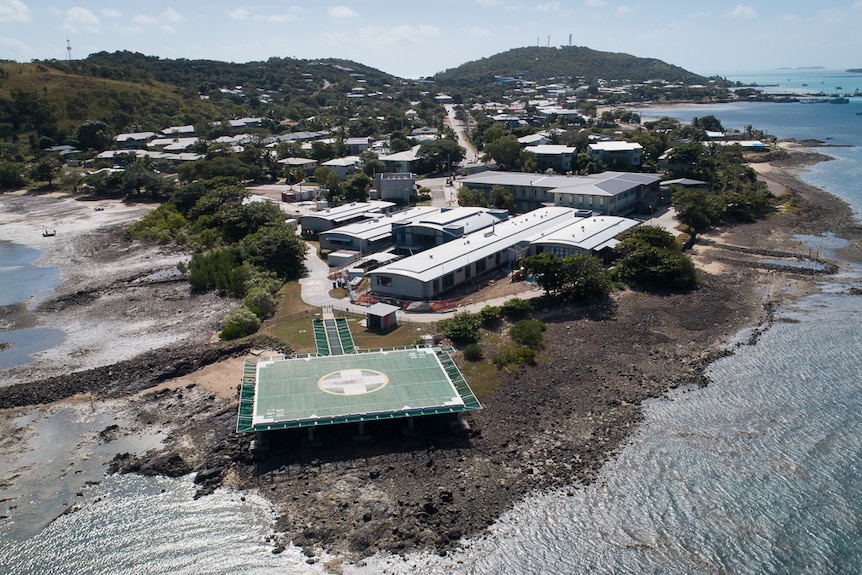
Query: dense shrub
[240, 323]
[528, 332]
[516, 307]
[473, 352]
[517, 356]
[490, 315]
[260, 302]
[463, 327]
[652, 258]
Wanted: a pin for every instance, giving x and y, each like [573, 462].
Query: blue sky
[412, 39]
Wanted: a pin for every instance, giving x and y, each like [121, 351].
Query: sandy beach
[142, 351]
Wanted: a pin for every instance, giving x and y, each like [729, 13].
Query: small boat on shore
[49, 233]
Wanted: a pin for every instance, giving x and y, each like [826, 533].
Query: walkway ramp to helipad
[332, 336]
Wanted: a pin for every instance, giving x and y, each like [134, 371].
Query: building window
[480, 266]
[384, 281]
[448, 281]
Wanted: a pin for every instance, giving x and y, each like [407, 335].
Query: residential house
[555, 157]
[402, 161]
[345, 166]
[616, 153]
[133, 140]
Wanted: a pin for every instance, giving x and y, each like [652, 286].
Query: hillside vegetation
[538, 64]
[42, 101]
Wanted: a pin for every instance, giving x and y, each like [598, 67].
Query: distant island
[803, 68]
[854, 70]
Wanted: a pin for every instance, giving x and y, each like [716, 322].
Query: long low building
[434, 272]
[612, 193]
[370, 235]
[329, 218]
[583, 237]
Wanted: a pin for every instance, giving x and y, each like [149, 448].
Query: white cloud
[238, 14]
[278, 18]
[77, 18]
[490, 3]
[474, 31]
[623, 9]
[341, 12]
[168, 29]
[334, 39]
[595, 3]
[111, 13]
[14, 46]
[14, 11]
[548, 7]
[171, 15]
[742, 12]
[144, 19]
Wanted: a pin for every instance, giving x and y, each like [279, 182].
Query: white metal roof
[588, 234]
[378, 227]
[603, 182]
[350, 211]
[438, 261]
[551, 150]
[615, 146]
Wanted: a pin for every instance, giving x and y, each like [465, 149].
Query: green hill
[540, 64]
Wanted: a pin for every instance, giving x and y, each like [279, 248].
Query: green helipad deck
[368, 386]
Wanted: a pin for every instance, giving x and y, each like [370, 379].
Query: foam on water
[757, 473]
[143, 525]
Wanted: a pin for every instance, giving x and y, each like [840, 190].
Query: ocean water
[22, 281]
[759, 472]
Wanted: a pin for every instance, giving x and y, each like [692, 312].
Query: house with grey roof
[613, 193]
[624, 153]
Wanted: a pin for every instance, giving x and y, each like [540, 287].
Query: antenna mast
[68, 51]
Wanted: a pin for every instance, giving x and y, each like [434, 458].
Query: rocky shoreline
[546, 427]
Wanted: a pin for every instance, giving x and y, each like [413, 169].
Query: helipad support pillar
[361, 436]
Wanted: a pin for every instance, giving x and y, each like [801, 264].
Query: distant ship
[838, 100]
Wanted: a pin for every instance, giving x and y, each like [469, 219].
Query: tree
[656, 269]
[504, 151]
[260, 302]
[356, 187]
[11, 175]
[94, 135]
[240, 323]
[440, 154]
[463, 327]
[696, 209]
[578, 276]
[501, 198]
[651, 258]
[470, 197]
[46, 169]
[275, 247]
[138, 176]
[655, 236]
[328, 181]
[218, 269]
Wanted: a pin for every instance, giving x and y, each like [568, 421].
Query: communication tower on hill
[68, 51]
